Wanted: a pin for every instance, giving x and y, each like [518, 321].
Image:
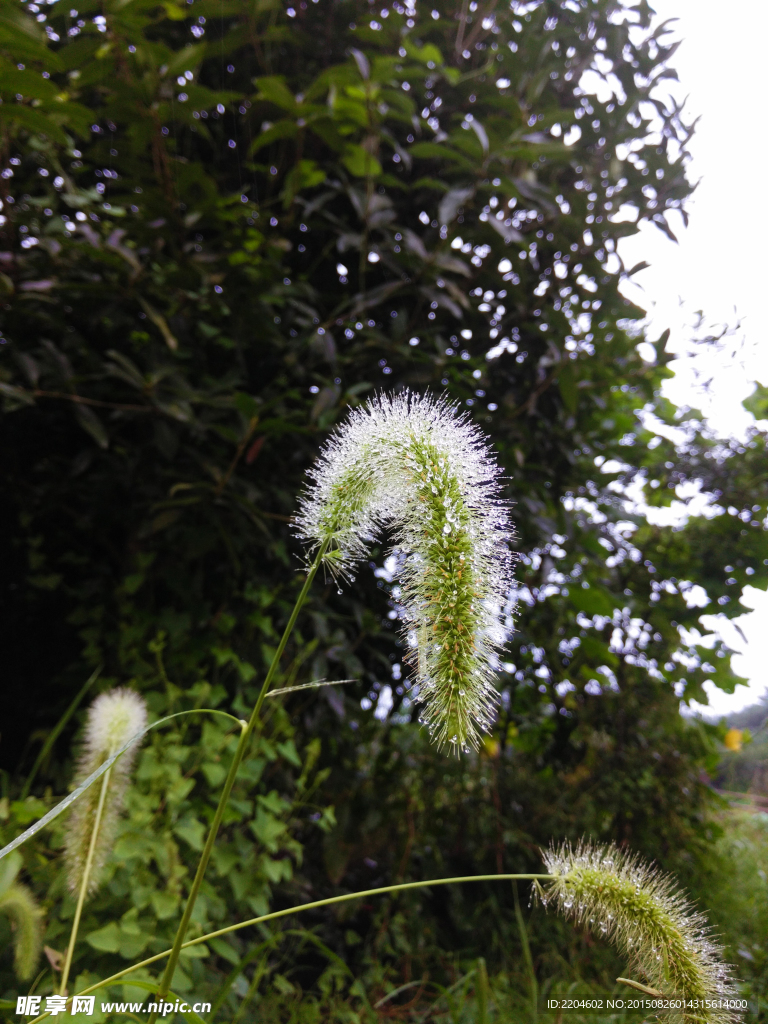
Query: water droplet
[338, 591]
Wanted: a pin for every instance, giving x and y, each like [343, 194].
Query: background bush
[223, 223]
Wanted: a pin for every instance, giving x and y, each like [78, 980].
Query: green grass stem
[276, 914]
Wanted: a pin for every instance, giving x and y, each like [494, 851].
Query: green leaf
[173, 11]
[757, 403]
[593, 600]
[215, 773]
[34, 121]
[451, 202]
[164, 904]
[431, 183]
[267, 829]
[289, 752]
[310, 174]
[78, 53]
[188, 58]
[246, 404]
[29, 84]
[281, 130]
[223, 949]
[22, 38]
[358, 161]
[15, 397]
[306, 174]
[276, 870]
[274, 90]
[91, 423]
[425, 53]
[437, 151]
[159, 321]
[191, 831]
[106, 939]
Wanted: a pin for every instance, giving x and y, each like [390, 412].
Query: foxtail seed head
[19, 905]
[113, 718]
[415, 465]
[648, 918]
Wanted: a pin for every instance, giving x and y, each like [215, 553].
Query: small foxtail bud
[113, 718]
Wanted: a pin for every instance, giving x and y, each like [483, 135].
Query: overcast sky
[719, 265]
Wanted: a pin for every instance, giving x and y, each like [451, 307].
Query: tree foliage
[225, 222]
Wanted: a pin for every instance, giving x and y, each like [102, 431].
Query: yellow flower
[732, 739]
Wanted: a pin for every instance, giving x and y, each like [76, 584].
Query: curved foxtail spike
[649, 919]
[18, 904]
[417, 466]
[113, 718]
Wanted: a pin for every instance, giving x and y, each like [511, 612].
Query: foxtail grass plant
[415, 465]
[643, 913]
[113, 719]
[418, 468]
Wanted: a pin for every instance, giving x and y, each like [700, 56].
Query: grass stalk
[84, 882]
[276, 914]
[258, 974]
[55, 732]
[481, 991]
[529, 970]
